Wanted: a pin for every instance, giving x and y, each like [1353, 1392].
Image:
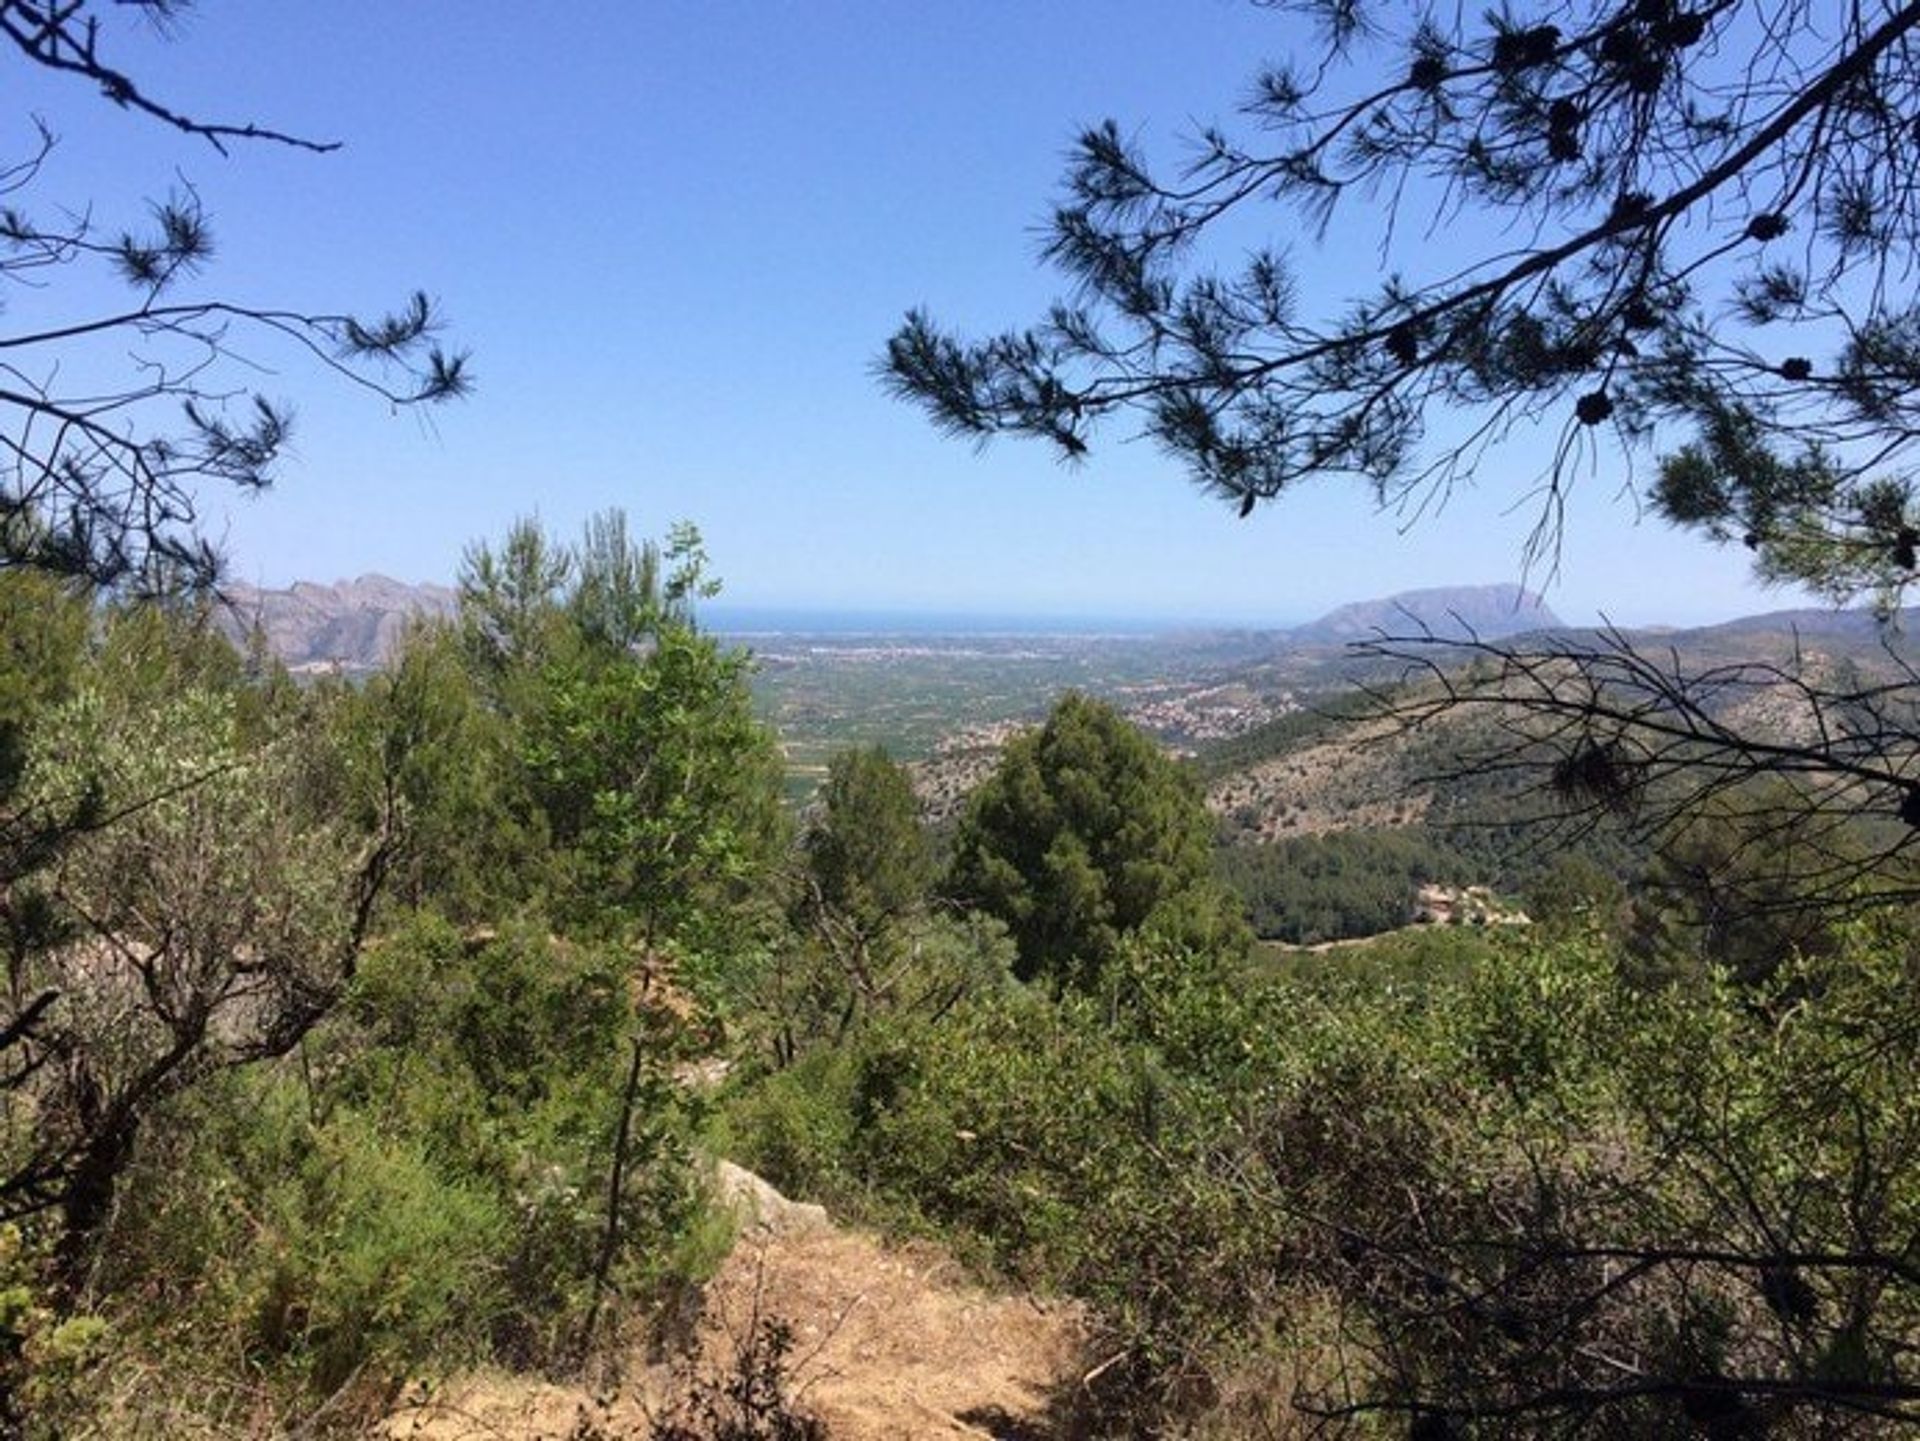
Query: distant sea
[750, 620]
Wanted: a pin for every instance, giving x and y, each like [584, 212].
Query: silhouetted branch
[98, 478]
[64, 35]
[1639, 168]
[1599, 730]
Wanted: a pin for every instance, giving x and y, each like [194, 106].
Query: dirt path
[890, 1343]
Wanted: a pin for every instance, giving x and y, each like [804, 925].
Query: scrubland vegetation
[342, 1020]
[355, 1036]
[344, 1030]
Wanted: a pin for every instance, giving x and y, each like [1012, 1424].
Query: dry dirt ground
[889, 1343]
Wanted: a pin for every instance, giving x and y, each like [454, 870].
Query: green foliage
[1683, 1142]
[510, 607]
[656, 776]
[1013, 1121]
[45, 1350]
[1456, 1175]
[208, 914]
[824, 981]
[43, 637]
[1308, 889]
[1576, 896]
[615, 601]
[1739, 887]
[43, 632]
[1084, 835]
[315, 1249]
[431, 1175]
[1418, 960]
[428, 1185]
[866, 853]
[1807, 516]
[574, 741]
[1426, 1167]
[865, 938]
[1052, 1144]
[374, 1254]
[424, 731]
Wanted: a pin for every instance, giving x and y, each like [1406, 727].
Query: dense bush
[429, 1183]
[236, 1128]
[1445, 1199]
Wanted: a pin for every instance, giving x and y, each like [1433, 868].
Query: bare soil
[890, 1342]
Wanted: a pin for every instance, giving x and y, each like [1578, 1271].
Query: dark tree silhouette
[1662, 219]
[99, 481]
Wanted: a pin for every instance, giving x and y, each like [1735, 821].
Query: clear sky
[675, 234]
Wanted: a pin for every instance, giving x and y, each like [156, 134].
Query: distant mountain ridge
[350, 625]
[354, 625]
[1454, 612]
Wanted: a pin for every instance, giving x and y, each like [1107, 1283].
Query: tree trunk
[616, 1184]
[86, 1202]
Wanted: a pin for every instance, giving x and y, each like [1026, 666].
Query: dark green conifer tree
[1087, 835]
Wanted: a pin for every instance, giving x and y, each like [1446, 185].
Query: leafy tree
[478, 844]
[1574, 896]
[655, 773]
[1662, 218]
[866, 875]
[625, 591]
[1739, 891]
[868, 859]
[1085, 835]
[592, 750]
[869, 940]
[43, 631]
[510, 606]
[99, 480]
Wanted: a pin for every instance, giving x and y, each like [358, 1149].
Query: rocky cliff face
[351, 625]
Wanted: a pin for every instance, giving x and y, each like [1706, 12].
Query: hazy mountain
[1454, 611]
[353, 625]
[1856, 626]
[350, 625]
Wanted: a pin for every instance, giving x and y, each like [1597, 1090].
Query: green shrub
[425, 1185]
[796, 1126]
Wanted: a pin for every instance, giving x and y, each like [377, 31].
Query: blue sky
[675, 235]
